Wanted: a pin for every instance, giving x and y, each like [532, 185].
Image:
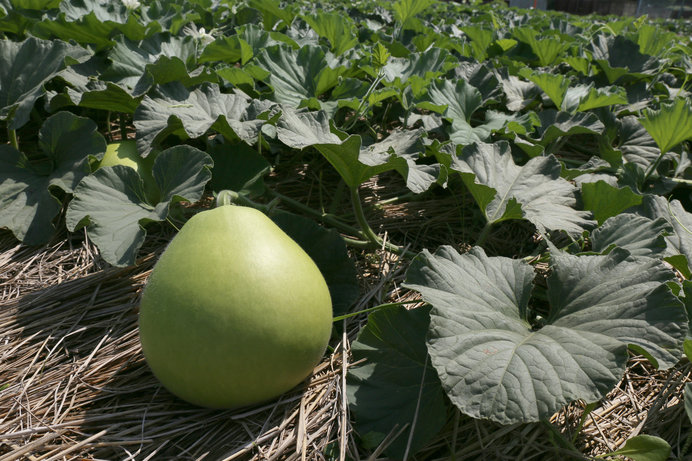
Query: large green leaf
[27, 67]
[554, 85]
[336, 28]
[401, 150]
[654, 40]
[670, 125]
[557, 124]
[535, 191]
[353, 161]
[160, 59]
[93, 22]
[299, 129]
[406, 10]
[85, 88]
[416, 68]
[481, 77]
[680, 240]
[520, 94]
[237, 167]
[547, 49]
[29, 187]
[688, 400]
[481, 39]
[591, 97]
[298, 75]
[497, 359]
[618, 57]
[635, 143]
[454, 101]
[228, 49]
[172, 109]
[112, 205]
[274, 15]
[463, 133]
[396, 388]
[639, 235]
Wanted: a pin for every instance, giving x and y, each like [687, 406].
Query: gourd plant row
[579, 127]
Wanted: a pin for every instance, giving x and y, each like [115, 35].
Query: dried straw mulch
[74, 384]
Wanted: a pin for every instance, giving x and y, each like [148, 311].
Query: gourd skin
[234, 312]
[125, 153]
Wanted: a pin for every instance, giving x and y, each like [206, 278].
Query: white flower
[131, 4]
[199, 34]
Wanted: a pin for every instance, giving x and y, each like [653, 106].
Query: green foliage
[500, 359]
[580, 127]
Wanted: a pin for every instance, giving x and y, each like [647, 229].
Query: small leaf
[380, 55]
[338, 29]
[396, 387]
[644, 448]
[606, 201]
[670, 125]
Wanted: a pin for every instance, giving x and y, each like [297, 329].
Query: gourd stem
[226, 197]
[12, 136]
[365, 228]
[484, 234]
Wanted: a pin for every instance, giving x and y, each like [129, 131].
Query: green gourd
[234, 312]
